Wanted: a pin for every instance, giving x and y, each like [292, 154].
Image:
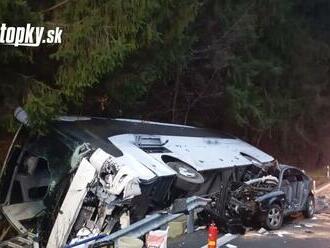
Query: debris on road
[228, 235]
[157, 239]
[231, 246]
[321, 203]
[176, 229]
[308, 225]
[282, 233]
[262, 231]
[130, 242]
[200, 228]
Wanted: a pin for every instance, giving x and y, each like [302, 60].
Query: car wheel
[188, 179]
[309, 207]
[274, 217]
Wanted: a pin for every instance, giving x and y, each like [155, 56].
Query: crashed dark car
[87, 176]
[270, 195]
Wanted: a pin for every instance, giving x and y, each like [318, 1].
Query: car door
[295, 184]
[286, 187]
[302, 189]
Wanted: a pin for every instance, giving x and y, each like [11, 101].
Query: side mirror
[21, 116]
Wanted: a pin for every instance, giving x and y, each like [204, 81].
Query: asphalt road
[296, 232]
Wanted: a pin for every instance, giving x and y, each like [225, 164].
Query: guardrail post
[190, 221]
[328, 171]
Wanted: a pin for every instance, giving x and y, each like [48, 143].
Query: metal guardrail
[145, 225]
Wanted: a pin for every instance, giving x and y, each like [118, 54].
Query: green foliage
[44, 104]
[260, 66]
[104, 37]
[13, 60]
[279, 73]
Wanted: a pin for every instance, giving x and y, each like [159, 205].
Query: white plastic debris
[124, 220]
[251, 234]
[309, 225]
[231, 246]
[297, 226]
[262, 231]
[282, 233]
[200, 228]
[157, 239]
[228, 235]
[126, 242]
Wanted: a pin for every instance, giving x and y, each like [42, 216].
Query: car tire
[274, 217]
[187, 178]
[309, 207]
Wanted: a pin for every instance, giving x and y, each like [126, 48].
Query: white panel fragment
[98, 158]
[71, 205]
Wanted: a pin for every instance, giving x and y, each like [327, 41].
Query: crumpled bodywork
[242, 197]
[122, 172]
[248, 199]
[243, 200]
[98, 187]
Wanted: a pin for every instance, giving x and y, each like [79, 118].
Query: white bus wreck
[88, 176]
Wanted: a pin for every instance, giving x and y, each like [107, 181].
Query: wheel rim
[311, 206]
[186, 172]
[274, 217]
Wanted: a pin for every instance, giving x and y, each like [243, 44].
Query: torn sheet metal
[99, 185]
[71, 205]
[265, 179]
[115, 177]
[103, 160]
[121, 172]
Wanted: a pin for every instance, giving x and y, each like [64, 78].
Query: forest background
[259, 69]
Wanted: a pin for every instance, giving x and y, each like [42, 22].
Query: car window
[300, 178]
[32, 179]
[43, 162]
[289, 175]
[300, 175]
[55, 152]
